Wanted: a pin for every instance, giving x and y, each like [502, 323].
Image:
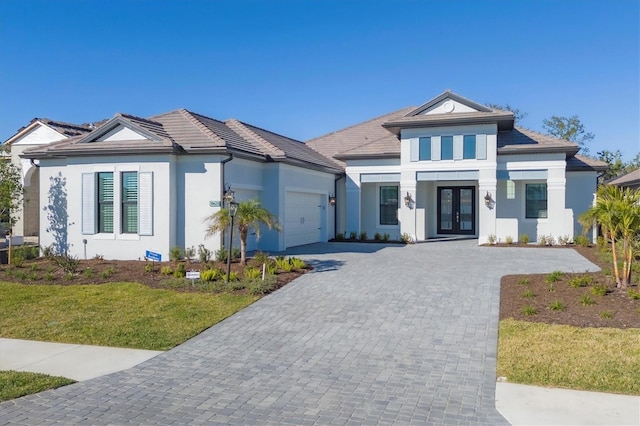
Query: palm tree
[250, 216]
[617, 211]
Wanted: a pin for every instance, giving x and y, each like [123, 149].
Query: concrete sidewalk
[519, 404]
[77, 362]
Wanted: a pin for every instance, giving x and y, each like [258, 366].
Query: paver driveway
[377, 334]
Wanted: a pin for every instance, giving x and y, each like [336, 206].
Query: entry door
[456, 210]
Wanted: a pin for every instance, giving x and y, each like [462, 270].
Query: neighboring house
[455, 167]
[134, 184]
[40, 131]
[629, 180]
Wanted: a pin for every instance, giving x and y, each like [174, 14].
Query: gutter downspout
[335, 208]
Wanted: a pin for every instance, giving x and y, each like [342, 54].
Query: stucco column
[353, 203]
[487, 183]
[556, 196]
[407, 214]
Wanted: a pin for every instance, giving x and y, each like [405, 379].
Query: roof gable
[125, 127]
[448, 103]
[43, 131]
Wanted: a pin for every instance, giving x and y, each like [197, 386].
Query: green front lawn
[593, 359]
[14, 384]
[127, 315]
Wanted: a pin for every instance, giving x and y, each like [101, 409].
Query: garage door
[302, 218]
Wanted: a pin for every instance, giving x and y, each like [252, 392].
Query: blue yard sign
[150, 255]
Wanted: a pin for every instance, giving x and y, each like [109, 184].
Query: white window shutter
[145, 203]
[88, 204]
[415, 149]
[457, 147]
[481, 147]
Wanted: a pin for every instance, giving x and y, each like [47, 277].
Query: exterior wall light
[487, 199]
[229, 195]
[332, 200]
[408, 200]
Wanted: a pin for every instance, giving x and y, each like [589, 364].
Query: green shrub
[528, 294]
[405, 238]
[634, 294]
[69, 264]
[190, 253]
[176, 253]
[49, 276]
[204, 254]
[377, 236]
[581, 281]
[529, 310]
[34, 267]
[221, 254]
[523, 281]
[542, 240]
[599, 289]
[33, 276]
[69, 276]
[235, 253]
[362, 236]
[148, 267]
[272, 268]
[557, 305]
[340, 236]
[508, 239]
[260, 287]
[564, 240]
[26, 252]
[553, 277]
[181, 271]
[606, 315]
[385, 237]
[601, 243]
[17, 260]
[88, 273]
[586, 300]
[210, 275]
[297, 263]
[353, 235]
[261, 257]
[283, 264]
[166, 270]
[47, 251]
[491, 239]
[581, 241]
[524, 238]
[551, 288]
[233, 277]
[251, 273]
[21, 275]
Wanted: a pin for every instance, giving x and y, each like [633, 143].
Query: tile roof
[354, 137]
[183, 131]
[503, 119]
[522, 141]
[67, 129]
[580, 162]
[630, 178]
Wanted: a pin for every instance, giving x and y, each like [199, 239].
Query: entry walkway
[377, 334]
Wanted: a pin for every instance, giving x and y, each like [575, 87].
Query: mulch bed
[616, 309]
[44, 272]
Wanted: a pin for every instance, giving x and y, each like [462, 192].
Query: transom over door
[456, 210]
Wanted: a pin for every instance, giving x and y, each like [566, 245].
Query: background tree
[10, 194]
[569, 128]
[616, 165]
[250, 216]
[519, 115]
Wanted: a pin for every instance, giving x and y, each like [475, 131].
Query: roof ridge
[240, 128]
[135, 117]
[359, 124]
[46, 120]
[191, 116]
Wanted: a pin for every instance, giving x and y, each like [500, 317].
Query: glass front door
[456, 210]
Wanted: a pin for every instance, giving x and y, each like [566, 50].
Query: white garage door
[302, 218]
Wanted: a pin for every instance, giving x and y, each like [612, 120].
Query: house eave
[367, 156]
[504, 122]
[537, 149]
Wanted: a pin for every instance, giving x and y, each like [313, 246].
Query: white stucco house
[39, 131]
[455, 167]
[134, 184]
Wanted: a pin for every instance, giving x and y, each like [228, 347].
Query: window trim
[380, 206]
[527, 200]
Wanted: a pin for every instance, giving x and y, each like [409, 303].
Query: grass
[14, 384]
[594, 359]
[127, 315]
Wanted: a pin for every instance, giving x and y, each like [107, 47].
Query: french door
[456, 210]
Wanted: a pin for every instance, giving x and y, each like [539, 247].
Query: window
[469, 147]
[511, 190]
[425, 149]
[536, 200]
[388, 205]
[105, 202]
[129, 202]
[446, 148]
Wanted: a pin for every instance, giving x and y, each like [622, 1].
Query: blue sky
[306, 68]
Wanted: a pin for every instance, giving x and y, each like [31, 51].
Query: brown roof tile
[627, 179]
[522, 141]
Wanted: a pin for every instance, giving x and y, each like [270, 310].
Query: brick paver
[375, 335]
